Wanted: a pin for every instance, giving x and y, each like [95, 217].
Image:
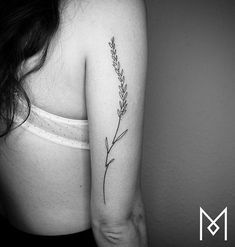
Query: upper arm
[115, 87]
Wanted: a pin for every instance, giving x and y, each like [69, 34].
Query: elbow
[119, 224]
[119, 230]
[105, 223]
[115, 233]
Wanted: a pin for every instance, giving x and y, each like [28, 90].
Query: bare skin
[51, 189]
[49, 184]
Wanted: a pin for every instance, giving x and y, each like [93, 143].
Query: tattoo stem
[106, 159]
[114, 138]
[106, 169]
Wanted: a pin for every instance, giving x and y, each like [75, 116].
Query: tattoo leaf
[121, 96]
[123, 79]
[120, 136]
[118, 65]
[107, 144]
[125, 96]
[112, 160]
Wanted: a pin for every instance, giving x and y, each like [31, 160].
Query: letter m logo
[213, 223]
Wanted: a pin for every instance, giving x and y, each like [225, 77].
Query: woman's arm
[115, 87]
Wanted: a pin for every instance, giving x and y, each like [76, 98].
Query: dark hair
[26, 29]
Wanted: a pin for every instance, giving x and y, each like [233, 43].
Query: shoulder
[96, 6]
[115, 5]
[101, 14]
[111, 11]
[102, 19]
[91, 23]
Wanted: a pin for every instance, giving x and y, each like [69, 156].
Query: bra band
[60, 130]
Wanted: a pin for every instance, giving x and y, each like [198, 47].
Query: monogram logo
[213, 228]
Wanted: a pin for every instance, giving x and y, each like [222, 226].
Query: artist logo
[213, 228]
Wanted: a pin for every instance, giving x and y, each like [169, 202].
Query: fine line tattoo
[120, 111]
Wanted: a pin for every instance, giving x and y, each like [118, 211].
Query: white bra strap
[60, 130]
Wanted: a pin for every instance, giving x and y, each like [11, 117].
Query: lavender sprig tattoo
[120, 111]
